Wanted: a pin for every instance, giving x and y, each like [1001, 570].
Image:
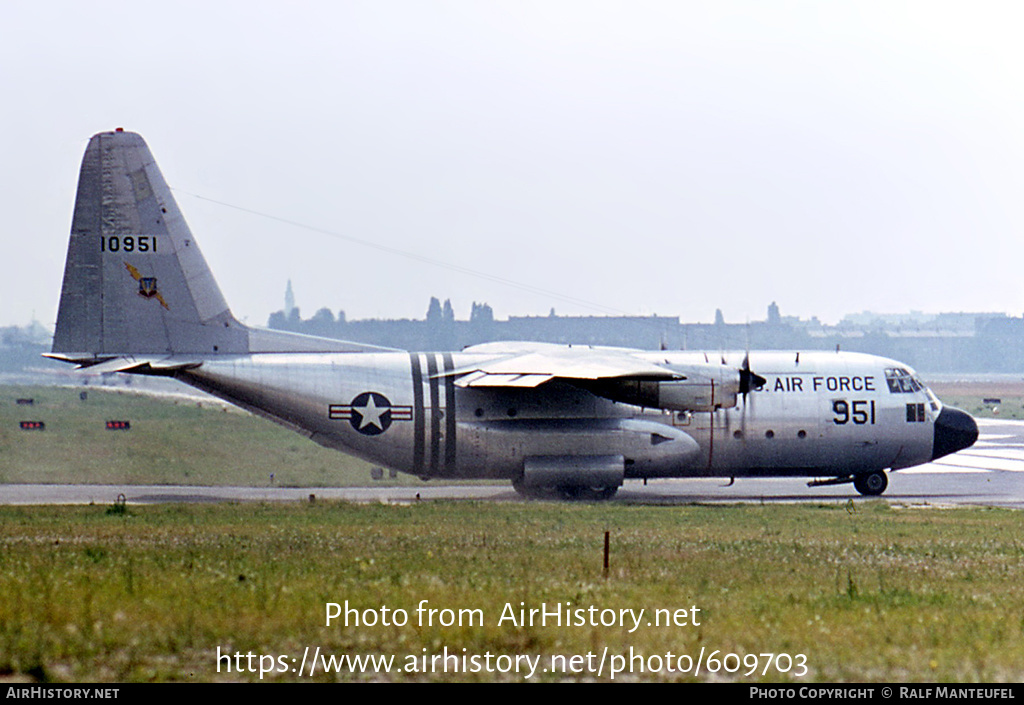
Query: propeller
[749, 380]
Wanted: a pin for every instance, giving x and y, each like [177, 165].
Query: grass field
[971, 396]
[863, 591]
[173, 440]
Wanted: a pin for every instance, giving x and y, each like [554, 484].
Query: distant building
[289, 300]
[945, 342]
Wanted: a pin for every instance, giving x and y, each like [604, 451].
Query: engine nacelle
[704, 388]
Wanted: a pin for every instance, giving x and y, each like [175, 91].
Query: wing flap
[485, 379]
[535, 365]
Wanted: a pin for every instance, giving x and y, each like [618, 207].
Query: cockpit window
[900, 381]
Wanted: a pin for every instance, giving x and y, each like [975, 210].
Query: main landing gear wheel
[531, 491]
[871, 483]
[579, 493]
[587, 494]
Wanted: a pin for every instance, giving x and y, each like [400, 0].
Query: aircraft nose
[954, 430]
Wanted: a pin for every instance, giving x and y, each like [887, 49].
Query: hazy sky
[627, 157]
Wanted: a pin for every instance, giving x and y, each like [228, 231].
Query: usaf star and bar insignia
[369, 413]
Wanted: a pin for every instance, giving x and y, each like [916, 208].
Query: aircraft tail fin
[135, 280]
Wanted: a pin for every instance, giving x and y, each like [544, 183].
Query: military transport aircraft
[139, 298]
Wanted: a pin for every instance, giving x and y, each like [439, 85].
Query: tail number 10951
[128, 243]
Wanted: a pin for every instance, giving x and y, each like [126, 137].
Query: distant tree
[277, 321]
[434, 314]
[481, 313]
[322, 322]
[448, 314]
[719, 318]
[323, 317]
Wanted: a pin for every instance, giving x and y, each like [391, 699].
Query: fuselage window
[915, 413]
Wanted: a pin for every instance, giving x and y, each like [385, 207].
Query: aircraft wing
[530, 365]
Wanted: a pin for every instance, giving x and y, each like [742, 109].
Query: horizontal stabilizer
[146, 365]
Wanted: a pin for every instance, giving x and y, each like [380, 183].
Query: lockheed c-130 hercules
[138, 298]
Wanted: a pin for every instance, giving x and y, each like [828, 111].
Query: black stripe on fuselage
[417, 415]
[435, 414]
[449, 410]
[441, 461]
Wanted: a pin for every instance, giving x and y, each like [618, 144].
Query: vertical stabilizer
[135, 281]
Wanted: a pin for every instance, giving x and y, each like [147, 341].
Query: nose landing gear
[871, 484]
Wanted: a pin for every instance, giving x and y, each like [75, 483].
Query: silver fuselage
[818, 414]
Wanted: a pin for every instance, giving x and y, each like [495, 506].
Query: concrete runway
[990, 473]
